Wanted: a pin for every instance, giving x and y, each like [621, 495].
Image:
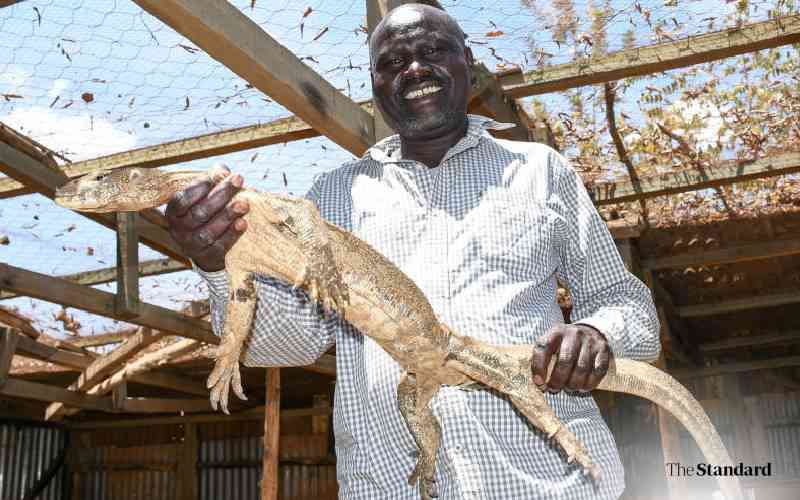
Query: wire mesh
[88, 78]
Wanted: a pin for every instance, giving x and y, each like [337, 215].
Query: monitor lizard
[288, 239]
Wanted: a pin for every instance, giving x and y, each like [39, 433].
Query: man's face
[420, 74]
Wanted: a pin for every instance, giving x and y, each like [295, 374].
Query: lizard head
[118, 190]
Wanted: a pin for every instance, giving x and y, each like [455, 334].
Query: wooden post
[8, 346]
[272, 431]
[187, 463]
[126, 303]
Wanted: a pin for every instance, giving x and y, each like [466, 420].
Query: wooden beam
[37, 350]
[679, 335]
[735, 305]
[146, 363]
[23, 389]
[8, 347]
[99, 302]
[683, 181]
[21, 323]
[670, 443]
[103, 338]
[256, 413]
[162, 405]
[101, 367]
[272, 431]
[743, 366]
[782, 338]
[735, 253]
[126, 303]
[147, 268]
[230, 37]
[7, 3]
[496, 105]
[203, 146]
[46, 180]
[659, 57]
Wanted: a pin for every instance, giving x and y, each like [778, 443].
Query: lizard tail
[648, 382]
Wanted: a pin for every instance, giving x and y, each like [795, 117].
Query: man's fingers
[213, 230]
[544, 350]
[233, 233]
[217, 199]
[583, 367]
[567, 356]
[600, 368]
[182, 201]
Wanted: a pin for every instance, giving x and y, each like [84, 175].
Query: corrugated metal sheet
[781, 416]
[131, 473]
[26, 453]
[231, 469]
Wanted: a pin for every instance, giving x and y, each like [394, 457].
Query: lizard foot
[225, 375]
[424, 473]
[324, 284]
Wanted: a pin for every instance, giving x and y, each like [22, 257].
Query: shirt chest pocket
[515, 237]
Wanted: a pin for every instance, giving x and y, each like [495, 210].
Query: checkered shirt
[484, 235]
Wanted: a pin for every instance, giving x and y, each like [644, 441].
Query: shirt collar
[388, 150]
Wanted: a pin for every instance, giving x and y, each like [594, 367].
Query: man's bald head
[409, 16]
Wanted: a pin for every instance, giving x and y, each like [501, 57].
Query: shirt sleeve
[605, 295]
[289, 329]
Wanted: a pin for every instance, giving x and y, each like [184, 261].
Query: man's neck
[430, 151]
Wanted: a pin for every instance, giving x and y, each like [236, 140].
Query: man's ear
[469, 56]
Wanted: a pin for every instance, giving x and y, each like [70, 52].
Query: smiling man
[484, 227]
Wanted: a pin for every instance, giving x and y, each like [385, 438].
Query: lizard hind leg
[239, 316]
[413, 397]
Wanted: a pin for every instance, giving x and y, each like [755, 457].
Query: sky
[94, 77]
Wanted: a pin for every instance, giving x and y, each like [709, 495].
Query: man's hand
[583, 357]
[205, 223]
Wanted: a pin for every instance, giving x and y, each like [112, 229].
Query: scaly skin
[287, 239]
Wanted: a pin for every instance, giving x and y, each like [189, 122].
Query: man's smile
[422, 91]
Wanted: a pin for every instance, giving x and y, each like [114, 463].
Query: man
[483, 226]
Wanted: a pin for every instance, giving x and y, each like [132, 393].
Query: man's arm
[289, 329]
[612, 309]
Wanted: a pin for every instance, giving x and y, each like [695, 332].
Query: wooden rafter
[727, 255]
[24, 389]
[7, 3]
[63, 292]
[126, 303]
[101, 367]
[659, 57]
[229, 36]
[735, 305]
[256, 413]
[8, 347]
[683, 181]
[493, 103]
[102, 339]
[147, 268]
[203, 146]
[743, 366]
[46, 180]
[782, 338]
[37, 350]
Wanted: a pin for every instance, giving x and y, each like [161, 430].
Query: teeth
[416, 94]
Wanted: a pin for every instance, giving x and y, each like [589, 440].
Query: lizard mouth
[75, 202]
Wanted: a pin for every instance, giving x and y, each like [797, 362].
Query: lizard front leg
[320, 276]
[240, 312]
[413, 398]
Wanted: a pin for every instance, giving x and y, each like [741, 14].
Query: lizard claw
[324, 285]
[226, 373]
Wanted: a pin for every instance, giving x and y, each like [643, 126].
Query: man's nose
[417, 69]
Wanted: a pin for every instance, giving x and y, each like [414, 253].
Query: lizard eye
[100, 177]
